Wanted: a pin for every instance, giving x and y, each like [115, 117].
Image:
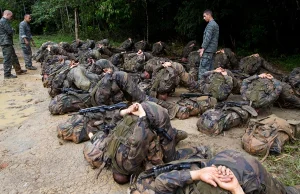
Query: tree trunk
[76, 25]
[147, 23]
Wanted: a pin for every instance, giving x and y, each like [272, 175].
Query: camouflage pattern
[133, 62]
[10, 60]
[127, 44]
[250, 173]
[198, 105]
[251, 64]
[206, 64]
[210, 37]
[294, 80]
[261, 92]
[69, 102]
[141, 45]
[154, 63]
[226, 59]
[191, 46]
[193, 62]
[6, 32]
[287, 97]
[158, 48]
[25, 32]
[78, 127]
[215, 84]
[215, 121]
[267, 135]
[6, 41]
[117, 60]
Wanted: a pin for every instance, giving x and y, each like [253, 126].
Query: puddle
[15, 107]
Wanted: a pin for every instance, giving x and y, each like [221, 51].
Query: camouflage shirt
[210, 37]
[6, 32]
[252, 176]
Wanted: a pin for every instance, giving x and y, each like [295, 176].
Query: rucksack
[165, 81]
[198, 105]
[250, 64]
[267, 135]
[261, 92]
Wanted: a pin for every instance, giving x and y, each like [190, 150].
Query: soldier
[158, 48]
[210, 43]
[228, 172]
[25, 40]
[191, 46]
[141, 45]
[6, 42]
[218, 83]
[226, 59]
[145, 139]
[127, 45]
[261, 90]
[294, 80]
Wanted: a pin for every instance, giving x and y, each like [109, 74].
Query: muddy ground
[33, 161]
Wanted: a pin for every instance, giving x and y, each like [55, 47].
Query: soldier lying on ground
[228, 172]
[141, 45]
[226, 59]
[255, 64]
[219, 83]
[127, 45]
[191, 46]
[261, 90]
[144, 137]
[159, 48]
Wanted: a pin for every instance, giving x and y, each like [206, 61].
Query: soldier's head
[7, 14]
[120, 178]
[145, 75]
[27, 18]
[207, 15]
[105, 65]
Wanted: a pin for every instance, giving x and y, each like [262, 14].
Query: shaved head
[7, 14]
[27, 18]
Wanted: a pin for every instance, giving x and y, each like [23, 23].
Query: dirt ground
[33, 161]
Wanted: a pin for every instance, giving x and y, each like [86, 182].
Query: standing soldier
[25, 39]
[6, 42]
[210, 43]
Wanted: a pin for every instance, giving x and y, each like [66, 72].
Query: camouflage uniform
[288, 98]
[9, 54]
[193, 62]
[191, 46]
[226, 59]
[215, 84]
[141, 45]
[139, 145]
[24, 32]
[261, 92]
[294, 80]
[127, 44]
[250, 173]
[134, 62]
[215, 121]
[210, 45]
[158, 48]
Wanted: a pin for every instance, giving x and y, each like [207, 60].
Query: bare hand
[26, 42]
[167, 64]
[201, 52]
[138, 110]
[233, 186]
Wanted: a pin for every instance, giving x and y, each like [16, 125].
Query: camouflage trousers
[27, 54]
[206, 63]
[10, 59]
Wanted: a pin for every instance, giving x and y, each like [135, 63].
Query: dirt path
[33, 161]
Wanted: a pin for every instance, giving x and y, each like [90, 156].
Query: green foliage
[286, 167]
[287, 62]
